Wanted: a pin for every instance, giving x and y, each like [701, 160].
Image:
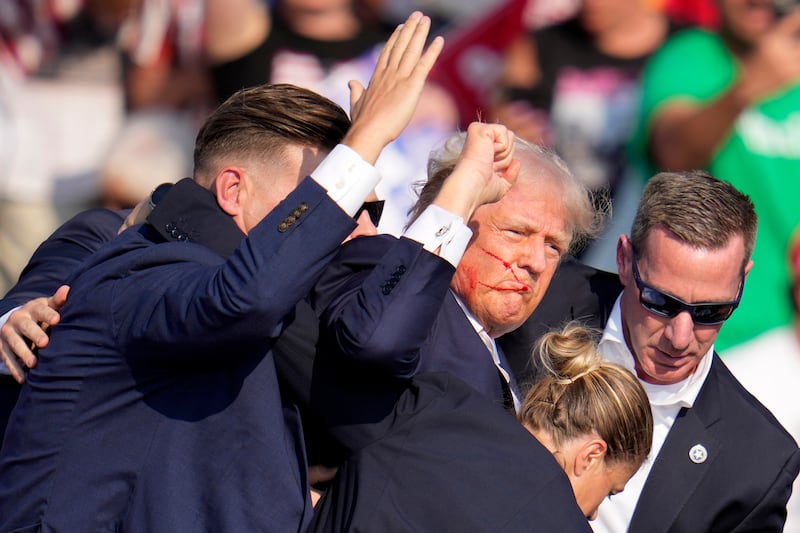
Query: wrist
[366, 144]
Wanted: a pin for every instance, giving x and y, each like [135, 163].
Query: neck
[335, 24]
[638, 34]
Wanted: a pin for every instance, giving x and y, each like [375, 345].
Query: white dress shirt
[615, 513]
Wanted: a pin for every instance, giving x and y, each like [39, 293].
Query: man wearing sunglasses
[720, 461]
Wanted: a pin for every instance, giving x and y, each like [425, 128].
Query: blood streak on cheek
[522, 288]
[469, 276]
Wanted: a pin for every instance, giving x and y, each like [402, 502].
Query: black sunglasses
[661, 304]
[374, 210]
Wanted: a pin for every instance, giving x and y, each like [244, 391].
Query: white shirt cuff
[347, 178]
[3, 320]
[438, 228]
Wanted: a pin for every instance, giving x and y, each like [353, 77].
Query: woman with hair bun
[593, 416]
[437, 455]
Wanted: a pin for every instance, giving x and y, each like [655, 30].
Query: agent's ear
[624, 258]
[590, 456]
[228, 187]
[747, 268]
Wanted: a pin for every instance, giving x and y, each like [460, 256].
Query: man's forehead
[538, 217]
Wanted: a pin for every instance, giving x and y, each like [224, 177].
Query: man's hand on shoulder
[26, 330]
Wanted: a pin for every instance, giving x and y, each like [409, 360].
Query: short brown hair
[262, 120]
[697, 208]
[581, 394]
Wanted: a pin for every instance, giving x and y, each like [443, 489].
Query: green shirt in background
[761, 157]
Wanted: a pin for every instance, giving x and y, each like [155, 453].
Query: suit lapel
[457, 343]
[685, 458]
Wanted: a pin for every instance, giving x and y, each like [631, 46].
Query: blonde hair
[581, 394]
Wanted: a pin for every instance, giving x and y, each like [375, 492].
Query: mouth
[509, 286]
[669, 360]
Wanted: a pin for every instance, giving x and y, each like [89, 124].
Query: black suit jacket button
[282, 227]
[303, 207]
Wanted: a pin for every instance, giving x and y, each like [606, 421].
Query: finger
[425, 64]
[27, 330]
[11, 361]
[396, 52]
[413, 51]
[512, 172]
[44, 314]
[383, 57]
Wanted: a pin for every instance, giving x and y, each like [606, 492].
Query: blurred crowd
[101, 101]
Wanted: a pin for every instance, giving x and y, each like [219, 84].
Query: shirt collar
[472, 320]
[682, 394]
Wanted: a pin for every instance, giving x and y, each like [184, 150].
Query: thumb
[356, 92]
[60, 297]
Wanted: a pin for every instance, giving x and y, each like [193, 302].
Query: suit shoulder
[748, 411]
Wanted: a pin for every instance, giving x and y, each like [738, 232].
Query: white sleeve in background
[438, 228]
[3, 320]
[347, 178]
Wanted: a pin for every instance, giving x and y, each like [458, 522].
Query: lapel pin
[698, 454]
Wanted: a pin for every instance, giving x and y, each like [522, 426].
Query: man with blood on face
[392, 308]
[516, 246]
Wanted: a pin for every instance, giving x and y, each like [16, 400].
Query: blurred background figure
[321, 45]
[734, 109]
[769, 367]
[100, 101]
[167, 93]
[60, 107]
[574, 85]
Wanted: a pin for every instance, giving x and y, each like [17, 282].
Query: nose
[364, 227]
[680, 331]
[531, 257]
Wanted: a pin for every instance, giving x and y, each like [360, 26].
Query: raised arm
[686, 134]
[380, 297]
[381, 111]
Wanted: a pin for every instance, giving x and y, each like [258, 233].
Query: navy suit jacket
[445, 458]
[744, 483]
[746, 480]
[387, 313]
[49, 267]
[155, 407]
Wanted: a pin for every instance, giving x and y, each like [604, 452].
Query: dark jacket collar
[189, 212]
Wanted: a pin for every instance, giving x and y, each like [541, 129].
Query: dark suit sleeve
[379, 300]
[770, 513]
[60, 254]
[194, 299]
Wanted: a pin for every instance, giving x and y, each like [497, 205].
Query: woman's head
[594, 416]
